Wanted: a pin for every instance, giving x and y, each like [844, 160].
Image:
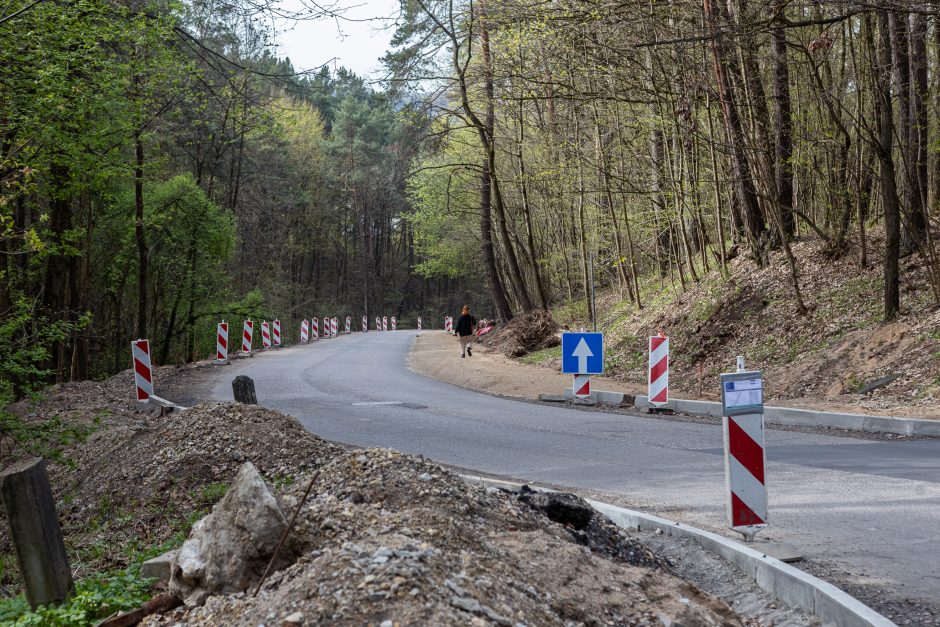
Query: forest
[161, 168]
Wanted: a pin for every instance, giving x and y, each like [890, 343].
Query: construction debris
[524, 334]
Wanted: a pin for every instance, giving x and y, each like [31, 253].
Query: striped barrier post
[365, 324]
[582, 385]
[348, 325]
[419, 323]
[449, 324]
[658, 390]
[335, 324]
[143, 371]
[305, 331]
[315, 328]
[265, 335]
[221, 343]
[393, 323]
[745, 455]
[326, 327]
[247, 334]
[276, 330]
[378, 323]
[385, 323]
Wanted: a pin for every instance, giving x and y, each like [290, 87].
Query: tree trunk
[783, 141]
[747, 204]
[884, 146]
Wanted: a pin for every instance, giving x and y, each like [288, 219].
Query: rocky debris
[524, 334]
[393, 539]
[159, 567]
[229, 549]
[142, 478]
[588, 527]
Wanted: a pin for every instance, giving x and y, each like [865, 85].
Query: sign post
[582, 354]
[742, 401]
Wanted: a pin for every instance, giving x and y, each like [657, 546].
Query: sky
[357, 45]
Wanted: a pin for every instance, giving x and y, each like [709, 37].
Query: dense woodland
[161, 168]
[642, 142]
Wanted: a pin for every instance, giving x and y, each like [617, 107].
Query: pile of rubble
[386, 539]
[524, 334]
[139, 477]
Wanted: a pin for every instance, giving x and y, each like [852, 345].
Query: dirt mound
[524, 334]
[140, 478]
[394, 539]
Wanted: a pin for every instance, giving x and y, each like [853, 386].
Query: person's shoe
[469, 352]
[462, 355]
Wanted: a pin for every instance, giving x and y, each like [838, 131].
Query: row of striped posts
[270, 339]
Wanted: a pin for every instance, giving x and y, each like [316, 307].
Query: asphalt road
[870, 506]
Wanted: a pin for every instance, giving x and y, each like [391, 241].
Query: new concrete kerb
[790, 416]
[792, 586]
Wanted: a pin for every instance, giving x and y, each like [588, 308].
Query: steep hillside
[823, 359]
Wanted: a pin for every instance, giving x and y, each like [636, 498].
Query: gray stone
[294, 619]
[228, 550]
[466, 604]
[159, 567]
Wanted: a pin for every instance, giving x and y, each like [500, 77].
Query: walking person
[465, 326]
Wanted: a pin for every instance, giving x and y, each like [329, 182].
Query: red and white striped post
[365, 324]
[221, 343]
[449, 324]
[582, 385]
[419, 323]
[247, 334]
[335, 323]
[658, 371]
[385, 323]
[276, 330]
[265, 335]
[326, 327]
[378, 323]
[393, 323]
[305, 331]
[348, 325]
[745, 454]
[143, 371]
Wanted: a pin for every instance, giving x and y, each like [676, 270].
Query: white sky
[357, 45]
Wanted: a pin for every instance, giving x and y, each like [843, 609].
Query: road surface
[870, 506]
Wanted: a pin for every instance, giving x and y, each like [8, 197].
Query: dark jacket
[465, 324]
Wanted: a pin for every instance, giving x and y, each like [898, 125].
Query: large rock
[228, 550]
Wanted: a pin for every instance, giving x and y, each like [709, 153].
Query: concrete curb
[790, 585]
[809, 418]
[781, 415]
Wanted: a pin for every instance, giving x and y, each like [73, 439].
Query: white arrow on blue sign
[582, 353]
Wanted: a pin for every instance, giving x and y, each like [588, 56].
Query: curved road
[871, 507]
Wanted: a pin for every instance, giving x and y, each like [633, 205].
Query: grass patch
[43, 438]
[540, 356]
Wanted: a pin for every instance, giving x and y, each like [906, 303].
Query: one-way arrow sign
[582, 353]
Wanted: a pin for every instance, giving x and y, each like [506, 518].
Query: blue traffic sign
[582, 353]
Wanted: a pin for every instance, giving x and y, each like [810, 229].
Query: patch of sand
[437, 355]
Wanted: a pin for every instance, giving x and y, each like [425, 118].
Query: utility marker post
[742, 400]
[34, 529]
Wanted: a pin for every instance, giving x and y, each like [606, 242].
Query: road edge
[830, 604]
